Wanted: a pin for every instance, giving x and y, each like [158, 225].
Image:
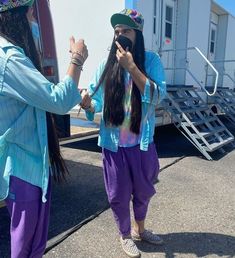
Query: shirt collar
[4, 43]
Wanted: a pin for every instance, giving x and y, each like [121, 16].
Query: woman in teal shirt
[126, 89]
[28, 141]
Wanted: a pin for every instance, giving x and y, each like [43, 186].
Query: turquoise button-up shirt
[109, 136]
[25, 96]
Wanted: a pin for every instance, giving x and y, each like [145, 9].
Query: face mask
[36, 34]
[124, 42]
[35, 30]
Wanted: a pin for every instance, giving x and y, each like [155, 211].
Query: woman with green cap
[29, 149]
[127, 88]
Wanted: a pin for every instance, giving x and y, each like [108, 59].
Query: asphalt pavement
[193, 210]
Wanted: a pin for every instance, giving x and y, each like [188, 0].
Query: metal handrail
[225, 74]
[223, 61]
[187, 70]
[207, 61]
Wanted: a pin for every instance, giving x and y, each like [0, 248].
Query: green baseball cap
[128, 17]
[6, 5]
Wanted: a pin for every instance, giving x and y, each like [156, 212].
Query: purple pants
[129, 171]
[29, 219]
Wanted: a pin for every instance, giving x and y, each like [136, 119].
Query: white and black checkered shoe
[129, 247]
[147, 236]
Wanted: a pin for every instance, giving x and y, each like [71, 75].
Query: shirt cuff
[68, 80]
[146, 97]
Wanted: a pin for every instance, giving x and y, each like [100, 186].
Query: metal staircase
[197, 122]
[224, 98]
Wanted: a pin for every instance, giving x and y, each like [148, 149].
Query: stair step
[218, 88]
[210, 132]
[227, 97]
[172, 88]
[182, 99]
[197, 122]
[216, 145]
[194, 109]
[230, 104]
[215, 97]
[229, 108]
[187, 110]
[208, 138]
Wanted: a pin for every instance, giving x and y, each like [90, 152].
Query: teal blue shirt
[25, 96]
[109, 136]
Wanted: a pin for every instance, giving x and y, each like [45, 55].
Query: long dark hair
[114, 87]
[14, 27]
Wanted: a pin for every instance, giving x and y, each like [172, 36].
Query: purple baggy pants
[29, 219]
[129, 171]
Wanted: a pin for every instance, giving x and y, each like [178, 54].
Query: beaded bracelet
[78, 63]
[79, 56]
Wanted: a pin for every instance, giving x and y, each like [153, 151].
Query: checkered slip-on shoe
[129, 247]
[147, 236]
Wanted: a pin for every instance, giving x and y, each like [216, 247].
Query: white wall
[230, 52]
[94, 26]
[86, 19]
[221, 37]
[198, 36]
[230, 48]
[147, 11]
[221, 45]
[181, 39]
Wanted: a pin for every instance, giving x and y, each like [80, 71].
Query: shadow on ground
[168, 139]
[199, 244]
[72, 202]
[170, 143]
[84, 194]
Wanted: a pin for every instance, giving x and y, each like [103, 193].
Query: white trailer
[86, 19]
[195, 40]
[172, 28]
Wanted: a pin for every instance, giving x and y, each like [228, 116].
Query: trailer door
[211, 55]
[168, 36]
[156, 41]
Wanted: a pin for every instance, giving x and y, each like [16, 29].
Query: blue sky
[229, 5]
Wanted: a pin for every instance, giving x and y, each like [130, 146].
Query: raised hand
[78, 49]
[124, 58]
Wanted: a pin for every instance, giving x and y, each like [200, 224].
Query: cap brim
[30, 3]
[119, 18]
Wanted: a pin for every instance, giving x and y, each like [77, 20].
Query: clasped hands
[86, 99]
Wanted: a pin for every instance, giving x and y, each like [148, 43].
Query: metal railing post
[207, 61]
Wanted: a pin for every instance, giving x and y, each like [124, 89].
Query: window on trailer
[154, 16]
[212, 45]
[168, 22]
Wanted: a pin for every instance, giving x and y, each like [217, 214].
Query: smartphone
[124, 42]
